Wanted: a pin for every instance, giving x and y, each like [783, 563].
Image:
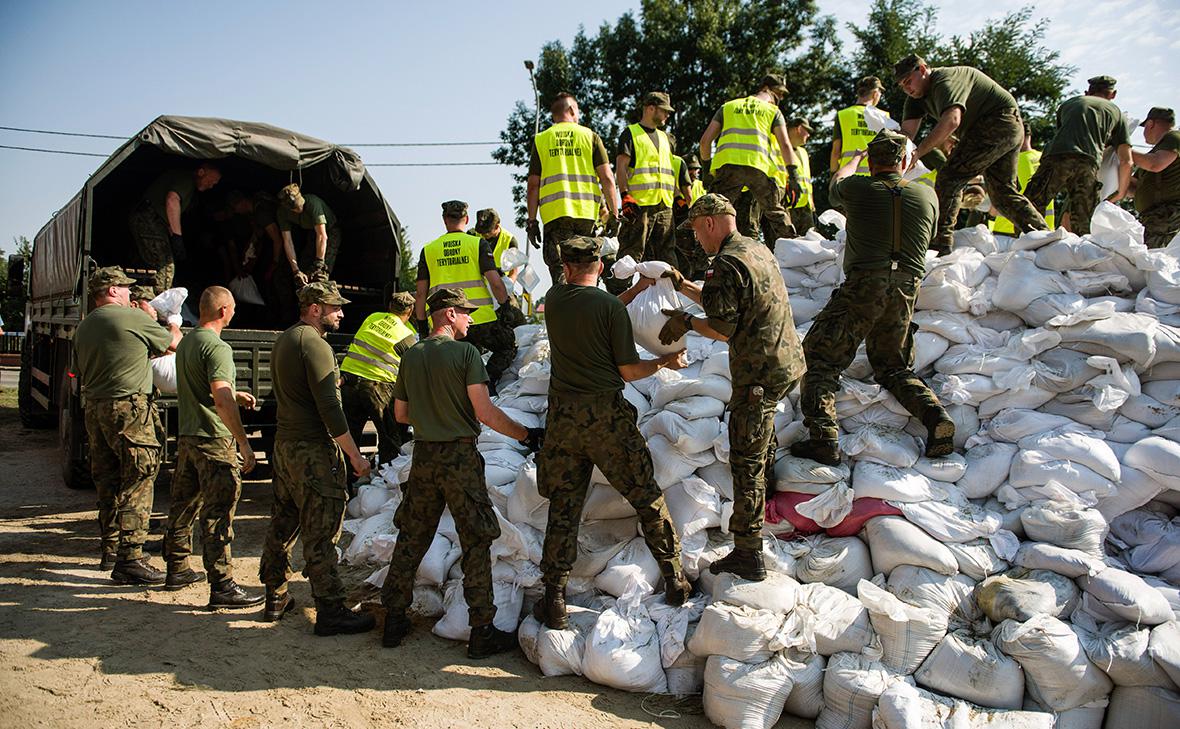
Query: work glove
[611, 228]
[509, 314]
[630, 209]
[680, 205]
[706, 173]
[533, 228]
[301, 279]
[423, 327]
[676, 276]
[794, 186]
[176, 243]
[676, 326]
[318, 271]
[534, 440]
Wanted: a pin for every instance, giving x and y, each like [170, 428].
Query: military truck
[92, 230]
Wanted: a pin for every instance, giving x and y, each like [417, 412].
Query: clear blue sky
[385, 72]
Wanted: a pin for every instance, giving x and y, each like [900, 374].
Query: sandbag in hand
[676, 326]
[534, 440]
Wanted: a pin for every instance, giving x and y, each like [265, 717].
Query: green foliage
[12, 302]
[407, 273]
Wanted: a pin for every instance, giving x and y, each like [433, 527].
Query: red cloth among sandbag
[782, 505]
[862, 511]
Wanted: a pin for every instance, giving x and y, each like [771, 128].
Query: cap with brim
[486, 220]
[800, 122]
[868, 83]
[449, 298]
[887, 147]
[454, 208]
[1160, 113]
[694, 163]
[290, 197]
[708, 204]
[906, 66]
[1102, 82]
[322, 292]
[660, 99]
[108, 276]
[776, 82]
[581, 249]
[142, 293]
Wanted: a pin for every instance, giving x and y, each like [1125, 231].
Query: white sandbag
[1158, 458]
[525, 504]
[746, 696]
[501, 466]
[562, 652]
[1023, 594]
[1068, 562]
[948, 469]
[1118, 593]
[887, 446]
[440, 556]
[902, 706]
[1012, 425]
[925, 588]
[670, 465]
[1149, 411]
[1128, 337]
[804, 470]
[1121, 651]
[928, 347]
[599, 542]
[908, 633]
[604, 501]
[872, 480]
[829, 508]
[507, 598]
[1071, 255]
[894, 541]
[1138, 707]
[1164, 648]
[164, 373]
[1068, 527]
[646, 309]
[693, 505]
[1036, 468]
[955, 521]
[365, 547]
[1030, 397]
[1135, 489]
[687, 436]
[777, 593]
[800, 252]
[372, 498]
[1021, 281]
[670, 385]
[696, 407]
[827, 620]
[427, 602]
[852, 685]
[1150, 540]
[739, 632]
[633, 567]
[1079, 445]
[987, 467]
[1057, 672]
[977, 559]
[806, 699]
[840, 562]
[720, 477]
[971, 668]
[623, 650]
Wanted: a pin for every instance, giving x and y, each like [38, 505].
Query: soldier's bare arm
[622, 171]
[1123, 152]
[321, 241]
[1156, 161]
[532, 196]
[909, 127]
[785, 147]
[172, 212]
[706, 146]
[225, 401]
[946, 126]
[609, 191]
[401, 411]
[490, 415]
[496, 284]
[629, 295]
[648, 367]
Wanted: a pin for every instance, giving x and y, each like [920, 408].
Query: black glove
[706, 173]
[676, 276]
[676, 326]
[533, 228]
[611, 229]
[794, 186]
[509, 314]
[176, 242]
[318, 271]
[534, 440]
[630, 209]
[423, 326]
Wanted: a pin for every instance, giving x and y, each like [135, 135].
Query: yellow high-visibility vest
[746, 136]
[1026, 166]
[677, 164]
[855, 135]
[652, 181]
[779, 170]
[371, 354]
[453, 261]
[695, 190]
[502, 242]
[569, 184]
[804, 160]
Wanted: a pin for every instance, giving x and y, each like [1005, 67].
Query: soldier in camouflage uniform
[889, 222]
[1157, 190]
[112, 346]
[590, 423]
[746, 304]
[441, 391]
[309, 216]
[693, 259]
[155, 222]
[310, 483]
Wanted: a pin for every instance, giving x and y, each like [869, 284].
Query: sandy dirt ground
[78, 650]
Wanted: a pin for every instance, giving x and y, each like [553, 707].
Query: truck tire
[32, 415]
[75, 466]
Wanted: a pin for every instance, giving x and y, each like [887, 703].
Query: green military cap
[887, 147]
[454, 209]
[776, 82]
[800, 122]
[290, 197]
[694, 163]
[660, 99]
[447, 298]
[869, 83]
[401, 301]
[1160, 113]
[1102, 82]
[321, 292]
[108, 276]
[906, 66]
[486, 221]
[142, 293]
[581, 249]
[708, 204]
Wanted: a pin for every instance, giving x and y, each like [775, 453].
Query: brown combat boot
[677, 588]
[940, 433]
[820, 451]
[550, 610]
[180, 576]
[278, 604]
[397, 627]
[488, 640]
[745, 563]
[136, 572]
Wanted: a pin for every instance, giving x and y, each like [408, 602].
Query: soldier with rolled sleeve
[155, 222]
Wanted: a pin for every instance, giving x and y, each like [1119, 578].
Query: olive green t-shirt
[1086, 125]
[868, 205]
[965, 87]
[315, 212]
[306, 386]
[1160, 187]
[432, 380]
[589, 337]
[202, 358]
[112, 346]
[179, 181]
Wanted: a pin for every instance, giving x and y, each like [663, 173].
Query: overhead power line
[358, 144]
[429, 164]
[62, 134]
[54, 151]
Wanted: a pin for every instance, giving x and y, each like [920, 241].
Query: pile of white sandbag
[1031, 579]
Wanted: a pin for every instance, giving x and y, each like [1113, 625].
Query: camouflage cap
[321, 292]
[887, 147]
[454, 209]
[660, 99]
[711, 204]
[906, 66]
[447, 298]
[581, 249]
[799, 121]
[401, 302]
[869, 83]
[1099, 83]
[108, 276]
[486, 221]
[1160, 113]
[142, 293]
[290, 197]
[776, 82]
[694, 163]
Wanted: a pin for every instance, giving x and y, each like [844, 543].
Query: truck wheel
[75, 466]
[32, 415]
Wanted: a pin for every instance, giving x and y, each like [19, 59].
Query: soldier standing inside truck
[155, 222]
[308, 212]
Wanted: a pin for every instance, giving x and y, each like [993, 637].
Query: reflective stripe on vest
[855, 135]
[928, 179]
[569, 186]
[651, 182]
[453, 261]
[1026, 166]
[779, 170]
[746, 135]
[502, 242]
[804, 178]
[371, 353]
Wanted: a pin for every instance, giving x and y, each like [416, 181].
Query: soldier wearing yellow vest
[569, 175]
[851, 133]
[369, 370]
[646, 179]
[803, 211]
[1026, 165]
[693, 259]
[743, 130]
[487, 226]
[696, 188]
[459, 260]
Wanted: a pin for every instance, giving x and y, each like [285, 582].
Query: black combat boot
[488, 640]
[278, 604]
[332, 618]
[136, 572]
[676, 588]
[229, 594]
[940, 433]
[397, 627]
[820, 451]
[745, 563]
[550, 610]
[182, 576]
[108, 562]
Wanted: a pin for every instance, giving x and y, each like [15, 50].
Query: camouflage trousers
[1160, 224]
[556, 232]
[803, 219]
[310, 491]
[444, 475]
[874, 307]
[151, 235]
[498, 339]
[206, 486]
[766, 200]
[991, 149]
[283, 281]
[1077, 176]
[647, 237]
[124, 461]
[584, 431]
[364, 400]
[752, 447]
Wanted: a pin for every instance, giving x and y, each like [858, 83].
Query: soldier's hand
[534, 440]
[676, 276]
[176, 243]
[423, 327]
[246, 400]
[301, 279]
[676, 326]
[248, 459]
[794, 186]
[611, 229]
[675, 360]
[360, 465]
[630, 209]
[533, 228]
[706, 173]
[509, 314]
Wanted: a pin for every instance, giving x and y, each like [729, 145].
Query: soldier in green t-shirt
[206, 484]
[155, 223]
[967, 103]
[307, 212]
[1157, 188]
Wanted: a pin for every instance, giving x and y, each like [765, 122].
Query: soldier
[465, 261]
[745, 158]
[746, 305]
[693, 259]
[111, 348]
[569, 176]
[803, 211]
[967, 103]
[155, 222]
[1085, 126]
[590, 424]
[310, 483]
[441, 392]
[850, 132]
[1157, 191]
[207, 483]
[889, 224]
[260, 211]
[308, 213]
[1027, 165]
[487, 226]
[141, 297]
[370, 369]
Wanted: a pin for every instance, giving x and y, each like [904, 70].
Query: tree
[407, 274]
[12, 302]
